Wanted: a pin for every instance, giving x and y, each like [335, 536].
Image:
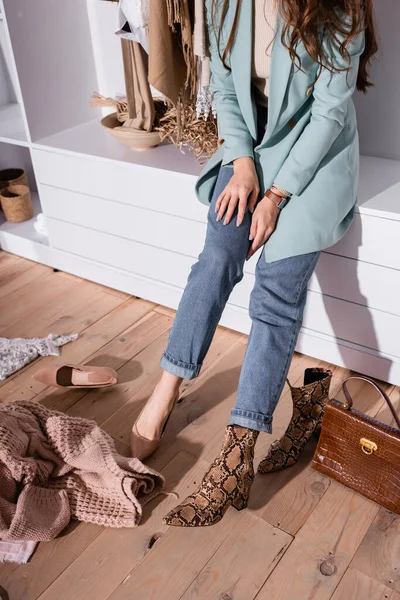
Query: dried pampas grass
[183, 129]
[179, 125]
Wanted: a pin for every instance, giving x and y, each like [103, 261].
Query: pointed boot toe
[226, 483]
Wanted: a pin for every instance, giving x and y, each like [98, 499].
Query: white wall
[379, 110]
[106, 48]
[54, 58]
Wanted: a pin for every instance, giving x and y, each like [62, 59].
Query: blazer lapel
[281, 66]
[241, 57]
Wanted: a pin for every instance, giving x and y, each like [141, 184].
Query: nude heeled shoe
[142, 447]
[76, 376]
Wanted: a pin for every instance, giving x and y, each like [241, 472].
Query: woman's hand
[263, 224]
[242, 191]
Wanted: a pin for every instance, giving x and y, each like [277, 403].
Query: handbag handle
[379, 389]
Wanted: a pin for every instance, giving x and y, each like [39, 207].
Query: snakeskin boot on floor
[308, 410]
[226, 483]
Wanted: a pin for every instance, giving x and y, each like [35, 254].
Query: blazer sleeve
[332, 94]
[232, 129]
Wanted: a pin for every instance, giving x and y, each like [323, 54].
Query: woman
[286, 178]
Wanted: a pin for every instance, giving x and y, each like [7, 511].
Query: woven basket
[12, 177]
[16, 203]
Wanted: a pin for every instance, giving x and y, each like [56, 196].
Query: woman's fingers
[232, 198]
[231, 208]
[259, 235]
[219, 200]
[223, 205]
[252, 236]
[253, 199]
[243, 199]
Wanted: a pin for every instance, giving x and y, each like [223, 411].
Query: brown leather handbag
[359, 451]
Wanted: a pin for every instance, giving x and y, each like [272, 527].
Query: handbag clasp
[367, 446]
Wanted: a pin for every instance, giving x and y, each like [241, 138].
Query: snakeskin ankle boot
[226, 483]
[308, 410]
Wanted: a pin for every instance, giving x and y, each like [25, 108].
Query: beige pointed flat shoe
[141, 447]
[76, 376]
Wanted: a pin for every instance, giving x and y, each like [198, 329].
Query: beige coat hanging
[138, 93]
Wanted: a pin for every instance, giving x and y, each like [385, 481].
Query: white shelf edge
[14, 142]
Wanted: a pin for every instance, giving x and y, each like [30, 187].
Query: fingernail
[225, 222]
[251, 238]
[218, 218]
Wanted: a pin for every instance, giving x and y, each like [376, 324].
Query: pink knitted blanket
[54, 467]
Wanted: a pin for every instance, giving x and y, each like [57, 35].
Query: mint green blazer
[310, 146]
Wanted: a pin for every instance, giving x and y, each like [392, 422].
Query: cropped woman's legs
[211, 280]
[218, 269]
[276, 309]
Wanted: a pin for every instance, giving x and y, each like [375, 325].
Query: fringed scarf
[172, 64]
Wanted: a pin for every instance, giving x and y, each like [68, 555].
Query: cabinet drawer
[155, 189]
[371, 239]
[340, 319]
[344, 278]
[353, 323]
[135, 257]
[122, 220]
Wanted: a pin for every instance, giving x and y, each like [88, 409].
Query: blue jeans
[276, 310]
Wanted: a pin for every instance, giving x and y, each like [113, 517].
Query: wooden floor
[302, 537]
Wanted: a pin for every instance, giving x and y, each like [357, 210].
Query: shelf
[12, 129]
[23, 239]
[90, 139]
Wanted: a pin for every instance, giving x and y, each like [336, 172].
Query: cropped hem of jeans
[251, 420]
[178, 367]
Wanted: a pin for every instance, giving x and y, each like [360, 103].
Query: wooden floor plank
[175, 561]
[98, 404]
[7, 260]
[356, 585]
[20, 307]
[91, 340]
[16, 276]
[103, 565]
[66, 313]
[27, 582]
[14, 391]
[379, 553]
[323, 548]
[233, 573]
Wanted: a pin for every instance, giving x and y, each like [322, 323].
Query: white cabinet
[131, 221]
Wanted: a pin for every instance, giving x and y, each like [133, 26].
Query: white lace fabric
[18, 352]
